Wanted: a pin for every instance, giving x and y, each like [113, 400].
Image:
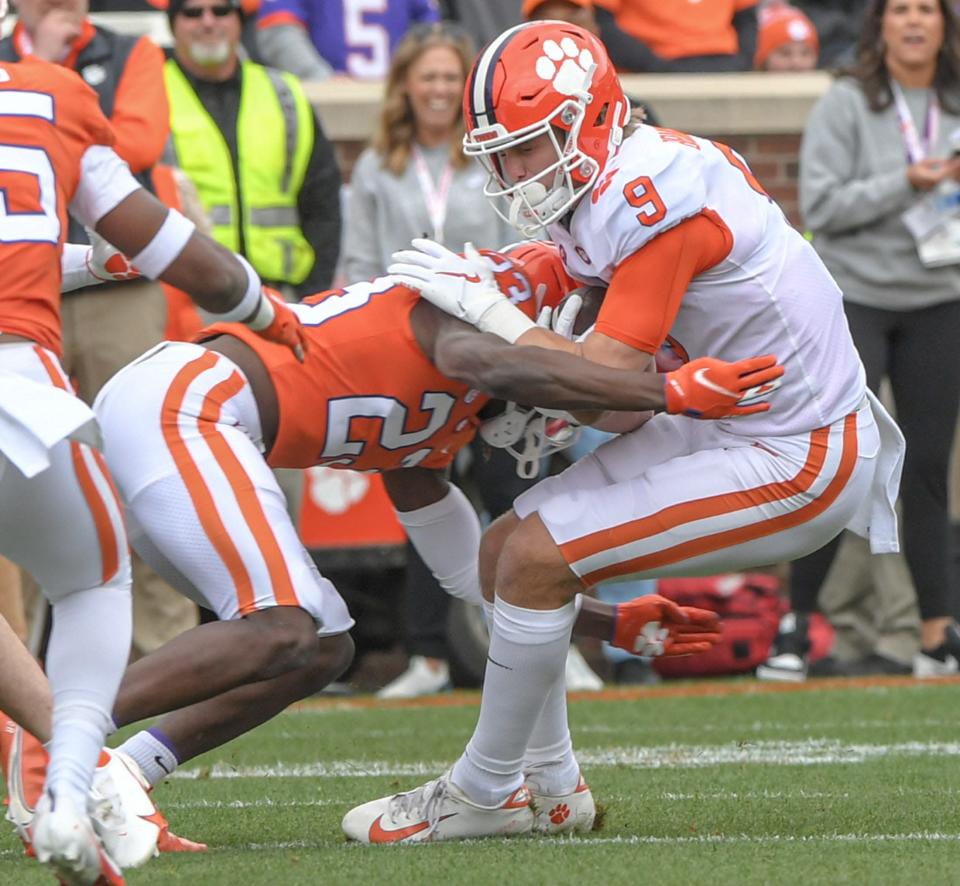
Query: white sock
[549, 764]
[528, 649]
[87, 655]
[155, 759]
[446, 535]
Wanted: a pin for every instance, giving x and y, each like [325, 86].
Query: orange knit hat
[782, 24]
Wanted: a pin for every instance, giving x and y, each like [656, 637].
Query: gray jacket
[853, 191]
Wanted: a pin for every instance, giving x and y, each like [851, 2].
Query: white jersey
[769, 294]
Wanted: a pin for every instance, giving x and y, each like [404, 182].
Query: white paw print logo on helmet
[566, 65]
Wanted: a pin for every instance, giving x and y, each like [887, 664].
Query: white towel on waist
[34, 417]
[876, 518]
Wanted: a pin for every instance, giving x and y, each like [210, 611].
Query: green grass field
[832, 784]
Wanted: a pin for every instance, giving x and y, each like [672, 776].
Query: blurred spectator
[482, 19]
[577, 12]
[316, 39]
[838, 24]
[415, 181]
[249, 140]
[786, 41]
[882, 138]
[107, 326]
[690, 36]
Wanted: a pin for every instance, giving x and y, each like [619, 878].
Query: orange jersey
[366, 397]
[680, 28]
[50, 117]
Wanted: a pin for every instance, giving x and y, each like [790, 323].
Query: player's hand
[281, 326]
[563, 318]
[54, 34]
[462, 286]
[711, 388]
[106, 262]
[655, 626]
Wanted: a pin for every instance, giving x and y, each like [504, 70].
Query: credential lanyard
[435, 196]
[916, 149]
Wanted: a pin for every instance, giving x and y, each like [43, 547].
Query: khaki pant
[871, 601]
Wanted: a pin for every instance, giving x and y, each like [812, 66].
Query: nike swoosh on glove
[462, 286]
[275, 321]
[710, 388]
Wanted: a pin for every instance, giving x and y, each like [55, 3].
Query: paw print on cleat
[560, 813]
[566, 65]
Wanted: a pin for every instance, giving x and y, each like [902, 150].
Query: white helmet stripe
[481, 91]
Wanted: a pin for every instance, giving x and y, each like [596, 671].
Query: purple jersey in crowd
[356, 37]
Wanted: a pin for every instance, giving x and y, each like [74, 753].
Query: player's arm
[558, 379]
[164, 245]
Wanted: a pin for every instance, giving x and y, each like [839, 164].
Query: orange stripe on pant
[244, 490]
[714, 506]
[200, 495]
[106, 535]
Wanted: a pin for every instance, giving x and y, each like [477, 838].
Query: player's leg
[67, 530]
[206, 512]
[24, 690]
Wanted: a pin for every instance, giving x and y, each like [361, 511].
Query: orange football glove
[285, 327]
[711, 388]
[653, 625]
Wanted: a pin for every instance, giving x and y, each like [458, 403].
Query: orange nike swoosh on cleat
[378, 834]
[470, 278]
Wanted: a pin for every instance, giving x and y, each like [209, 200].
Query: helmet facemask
[530, 435]
[536, 202]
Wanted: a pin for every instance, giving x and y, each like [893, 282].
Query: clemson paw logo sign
[565, 65]
[559, 814]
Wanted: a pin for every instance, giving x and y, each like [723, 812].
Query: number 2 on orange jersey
[641, 194]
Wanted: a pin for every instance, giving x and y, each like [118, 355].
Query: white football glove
[463, 286]
[106, 262]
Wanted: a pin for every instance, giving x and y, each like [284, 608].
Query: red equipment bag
[749, 605]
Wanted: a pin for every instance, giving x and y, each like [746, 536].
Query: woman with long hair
[414, 180]
[880, 142]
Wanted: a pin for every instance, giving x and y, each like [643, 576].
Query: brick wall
[773, 159]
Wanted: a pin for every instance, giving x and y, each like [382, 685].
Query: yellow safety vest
[274, 141]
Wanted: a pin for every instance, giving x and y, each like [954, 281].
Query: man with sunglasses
[248, 139]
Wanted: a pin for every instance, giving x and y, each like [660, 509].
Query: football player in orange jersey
[389, 384]
[60, 517]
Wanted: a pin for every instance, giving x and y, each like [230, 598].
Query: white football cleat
[566, 814]
[438, 810]
[20, 810]
[579, 676]
[63, 838]
[125, 817]
[420, 678]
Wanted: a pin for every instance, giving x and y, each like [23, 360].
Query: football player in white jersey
[693, 252]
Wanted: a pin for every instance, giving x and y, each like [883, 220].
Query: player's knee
[491, 545]
[285, 640]
[531, 570]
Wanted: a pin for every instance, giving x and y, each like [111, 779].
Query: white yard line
[811, 752]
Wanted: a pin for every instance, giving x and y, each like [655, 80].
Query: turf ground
[723, 782]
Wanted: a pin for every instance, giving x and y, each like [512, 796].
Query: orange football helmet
[543, 78]
[531, 274]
